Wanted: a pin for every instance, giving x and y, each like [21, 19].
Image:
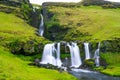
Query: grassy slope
[13, 68]
[113, 60]
[92, 20]
[13, 28]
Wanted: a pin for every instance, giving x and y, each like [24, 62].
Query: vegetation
[19, 36]
[77, 24]
[13, 68]
[70, 22]
[113, 61]
[92, 24]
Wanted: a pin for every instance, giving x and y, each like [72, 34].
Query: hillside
[85, 23]
[15, 34]
[13, 68]
[19, 39]
[21, 43]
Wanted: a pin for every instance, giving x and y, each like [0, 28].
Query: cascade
[96, 56]
[47, 56]
[51, 55]
[75, 54]
[41, 27]
[58, 60]
[87, 53]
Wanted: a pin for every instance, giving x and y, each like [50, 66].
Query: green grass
[13, 28]
[92, 22]
[16, 34]
[13, 68]
[113, 61]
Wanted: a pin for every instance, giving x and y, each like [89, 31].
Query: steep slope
[18, 35]
[86, 23]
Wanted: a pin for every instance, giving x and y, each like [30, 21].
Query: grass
[113, 60]
[92, 22]
[13, 68]
[16, 34]
[13, 27]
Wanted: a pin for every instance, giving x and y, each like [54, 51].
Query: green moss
[113, 61]
[89, 63]
[112, 70]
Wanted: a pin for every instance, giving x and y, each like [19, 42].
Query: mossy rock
[100, 68]
[89, 63]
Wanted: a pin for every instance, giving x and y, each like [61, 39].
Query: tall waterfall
[87, 53]
[41, 27]
[51, 55]
[75, 55]
[96, 56]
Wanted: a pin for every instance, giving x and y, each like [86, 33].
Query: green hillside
[13, 68]
[20, 42]
[16, 34]
[18, 37]
[91, 23]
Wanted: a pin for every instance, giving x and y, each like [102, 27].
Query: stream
[91, 75]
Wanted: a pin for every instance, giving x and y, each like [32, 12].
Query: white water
[41, 27]
[96, 56]
[58, 60]
[75, 55]
[82, 70]
[87, 53]
[49, 53]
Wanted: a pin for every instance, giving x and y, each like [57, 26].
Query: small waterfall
[41, 27]
[75, 55]
[96, 56]
[58, 60]
[51, 55]
[87, 53]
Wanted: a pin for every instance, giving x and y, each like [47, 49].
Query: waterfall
[75, 55]
[47, 56]
[41, 27]
[87, 53]
[58, 60]
[51, 55]
[96, 55]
